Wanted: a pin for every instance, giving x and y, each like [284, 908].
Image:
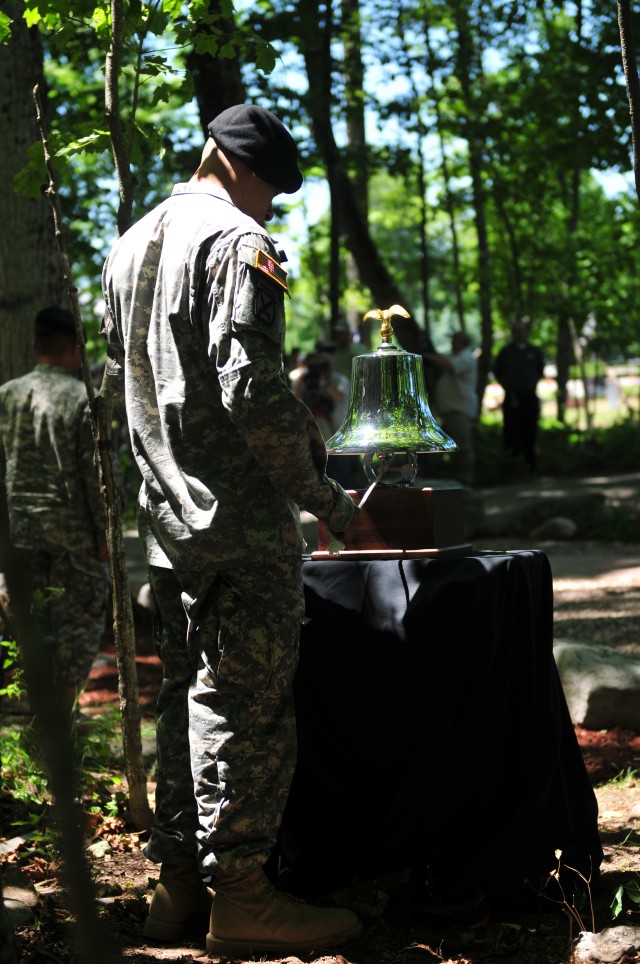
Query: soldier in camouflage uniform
[195, 325]
[55, 510]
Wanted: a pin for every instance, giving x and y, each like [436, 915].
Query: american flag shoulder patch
[266, 263]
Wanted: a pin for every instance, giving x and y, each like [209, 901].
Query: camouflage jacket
[47, 463]
[195, 326]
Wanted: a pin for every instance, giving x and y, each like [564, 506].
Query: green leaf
[99, 20]
[266, 58]
[32, 17]
[199, 11]
[632, 890]
[96, 141]
[206, 43]
[154, 65]
[173, 8]
[617, 902]
[162, 94]
[30, 180]
[227, 51]
[5, 28]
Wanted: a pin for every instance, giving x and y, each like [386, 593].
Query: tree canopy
[458, 148]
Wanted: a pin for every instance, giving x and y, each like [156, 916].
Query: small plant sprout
[569, 908]
[626, 778]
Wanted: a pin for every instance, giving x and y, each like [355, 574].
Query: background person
[195, 324]
[346, 468]
[325, 392]
[345, 349]
[56, 514]
[518, 368]
[292, 359]
[456, 401]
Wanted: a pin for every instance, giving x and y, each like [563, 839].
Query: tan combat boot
[179, 902]
[249, 916]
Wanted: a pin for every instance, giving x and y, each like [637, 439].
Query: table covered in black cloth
[433, 729]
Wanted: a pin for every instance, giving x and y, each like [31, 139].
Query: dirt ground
[597, 599]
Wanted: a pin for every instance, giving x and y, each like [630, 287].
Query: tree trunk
[357, 154]
[486, 321]
[579, 357]
[323, 63]
[564, 357]
[446, 180]
[517, 284]
[121, 138]
[421, 177]
[124, 634]
[8, 945]
[566, 325]
[629, 64]
[372, 268]
[218, 83]
[51, 725]
[30, 275]
[466, 56]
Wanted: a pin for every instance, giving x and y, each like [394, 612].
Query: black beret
[52, 321]
[259, 139]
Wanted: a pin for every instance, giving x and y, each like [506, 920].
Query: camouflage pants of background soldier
[226, 732]
[70, 594]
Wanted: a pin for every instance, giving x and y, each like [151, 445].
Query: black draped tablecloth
[433, 730]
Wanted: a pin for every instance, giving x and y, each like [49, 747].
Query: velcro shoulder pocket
[259, 296]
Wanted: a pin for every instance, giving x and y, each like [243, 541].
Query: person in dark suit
[518, 368]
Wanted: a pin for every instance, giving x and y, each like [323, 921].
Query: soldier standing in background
[49, 484]
[195, 325]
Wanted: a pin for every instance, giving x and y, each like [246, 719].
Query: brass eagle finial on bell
[385, 315]
[388, 408]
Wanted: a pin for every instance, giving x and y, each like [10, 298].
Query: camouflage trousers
[226, 733]
[69, 604]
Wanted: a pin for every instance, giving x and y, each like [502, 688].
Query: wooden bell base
[399, 523]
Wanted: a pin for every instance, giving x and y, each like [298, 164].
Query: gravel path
[596, 584]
